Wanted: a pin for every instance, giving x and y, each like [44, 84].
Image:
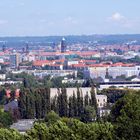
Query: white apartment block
[95, 72]
[127, 71]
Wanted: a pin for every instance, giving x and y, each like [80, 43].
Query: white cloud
[117, 17]
[70, 20]
[119, 20]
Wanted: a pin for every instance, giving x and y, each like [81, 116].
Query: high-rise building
[14, 60]
[63, 45]
[27, 48]
[4, 47]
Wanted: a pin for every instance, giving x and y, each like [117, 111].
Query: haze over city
[69, 70]
[44, 18]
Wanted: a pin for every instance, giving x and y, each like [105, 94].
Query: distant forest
[71, 39]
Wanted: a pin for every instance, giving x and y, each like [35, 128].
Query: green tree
[114, 94]
[101, 131]
[9, 134]
[80, 103]
[62, 102]
[54, 104]
[22, 103]
[86, 103]
[89, 114]
[74, 101]
[60, 131]
[6, 119]
[125, 115]
[51, 117]
[2, 96]
[71, 107]
[39, 132]
[93, 99]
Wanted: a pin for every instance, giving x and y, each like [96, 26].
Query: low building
[53, 73]
[101, 100]
[23, 125]
[120, 84]
[73, 81]
[10, 82]
[104, 111]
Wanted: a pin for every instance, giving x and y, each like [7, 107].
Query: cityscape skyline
[35, 18]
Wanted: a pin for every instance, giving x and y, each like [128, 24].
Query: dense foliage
[35, 103]
[6, 119]
[123, 122]
[71, 129]
[125, 116]
[114, 94]
[9, 134]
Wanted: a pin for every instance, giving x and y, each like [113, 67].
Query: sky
[69, 17]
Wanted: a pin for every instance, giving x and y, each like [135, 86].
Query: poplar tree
[79, 102]
[86, 100]
[75, 108]
[93, 102]
[71, 107]
[48, 100]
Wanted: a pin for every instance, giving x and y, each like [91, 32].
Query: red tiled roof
[99, 65]
[6, 63]
[55, 65]
[89, 53]
[41, 62]
[79, 65]
[120, 64]
[88, 61]
[59, 60]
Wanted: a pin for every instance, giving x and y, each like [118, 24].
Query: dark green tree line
[35, 103]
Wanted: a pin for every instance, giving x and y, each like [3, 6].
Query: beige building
[101, 99]
[95, 72]
[70, 91]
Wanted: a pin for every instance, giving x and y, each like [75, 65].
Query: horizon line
[68, 35]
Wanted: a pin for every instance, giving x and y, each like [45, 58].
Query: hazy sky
[68, 17]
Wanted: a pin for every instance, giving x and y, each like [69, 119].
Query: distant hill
[93, 39]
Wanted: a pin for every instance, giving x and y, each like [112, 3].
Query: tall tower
[27, 48]
[14, 60]
[4, 47]
[63, 45]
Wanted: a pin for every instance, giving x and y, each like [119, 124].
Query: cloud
[117, 17]
[70, 20]
[119, 20]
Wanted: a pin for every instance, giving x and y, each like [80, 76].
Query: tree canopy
[125, 116]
